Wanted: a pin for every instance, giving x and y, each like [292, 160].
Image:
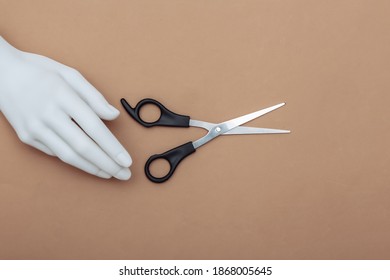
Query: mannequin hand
[43, 100]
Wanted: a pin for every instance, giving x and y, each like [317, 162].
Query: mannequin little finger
[43, 148]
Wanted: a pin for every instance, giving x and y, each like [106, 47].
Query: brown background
[320, 192]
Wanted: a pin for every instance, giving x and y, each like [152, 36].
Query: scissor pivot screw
[217, 129]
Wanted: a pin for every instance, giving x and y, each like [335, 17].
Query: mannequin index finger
[89, 94]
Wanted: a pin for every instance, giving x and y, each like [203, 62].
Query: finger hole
[150, 113]
[159, 168]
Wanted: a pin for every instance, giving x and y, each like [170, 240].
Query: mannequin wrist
[8, 54]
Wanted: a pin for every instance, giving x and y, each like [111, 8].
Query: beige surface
[320, 192]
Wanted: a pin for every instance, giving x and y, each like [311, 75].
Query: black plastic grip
[174, 157]
[167, 117]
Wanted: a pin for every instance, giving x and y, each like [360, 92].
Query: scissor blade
[254, 130]
[222, 128]
[229, 125]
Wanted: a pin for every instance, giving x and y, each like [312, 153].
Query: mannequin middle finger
[63, 151]
[82, 144]
[76, 108]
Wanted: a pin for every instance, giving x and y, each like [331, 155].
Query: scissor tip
[283, 131]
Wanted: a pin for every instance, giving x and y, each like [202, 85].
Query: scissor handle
[167, 117]
[174, 157]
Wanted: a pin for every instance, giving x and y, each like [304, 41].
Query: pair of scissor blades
[169, 118]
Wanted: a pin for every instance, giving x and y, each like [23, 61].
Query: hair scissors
[169, 118]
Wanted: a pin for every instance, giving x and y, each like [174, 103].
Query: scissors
[169, 118]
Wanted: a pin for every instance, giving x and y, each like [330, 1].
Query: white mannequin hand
[42, 99]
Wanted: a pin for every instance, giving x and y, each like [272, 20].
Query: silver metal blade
[239, 129]
[224, 127]
[254, 130]
[202, 124]
[228, 125]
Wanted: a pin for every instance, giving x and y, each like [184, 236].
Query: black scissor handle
[167, 117]
[174, 157]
